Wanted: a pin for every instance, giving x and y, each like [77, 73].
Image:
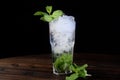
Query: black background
[97, 27]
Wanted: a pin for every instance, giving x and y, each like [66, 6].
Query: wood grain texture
[39, 67]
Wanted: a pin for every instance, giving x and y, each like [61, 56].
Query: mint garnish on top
[48, 16]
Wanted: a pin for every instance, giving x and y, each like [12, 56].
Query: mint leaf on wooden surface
[72, 76]
[78, 71]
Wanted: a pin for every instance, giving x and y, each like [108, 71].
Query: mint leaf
[78, 71]
[73, 76]
[78, 68]
[46, 18]
[49, 9]
[73, 68]
[83, 73]
[57, 13]
[82, 70]
[39, 13]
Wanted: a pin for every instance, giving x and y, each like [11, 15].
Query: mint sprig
[78, 71]
[64, 63]
[48, 16]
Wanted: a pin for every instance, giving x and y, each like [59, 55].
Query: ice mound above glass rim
[62, 32]
[64, 23]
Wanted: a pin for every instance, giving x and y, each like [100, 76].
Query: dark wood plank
[39, 67]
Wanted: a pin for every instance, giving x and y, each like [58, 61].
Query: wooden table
[39, 67]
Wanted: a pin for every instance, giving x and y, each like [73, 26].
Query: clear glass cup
[62, 39]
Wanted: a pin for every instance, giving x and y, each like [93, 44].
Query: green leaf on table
[73, 76]
[78, 71]
[82, 70]
[73, 68]
[49, 9]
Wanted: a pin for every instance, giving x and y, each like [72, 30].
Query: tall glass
[62, 39]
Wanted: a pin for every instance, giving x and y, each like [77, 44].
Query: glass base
[61, 73]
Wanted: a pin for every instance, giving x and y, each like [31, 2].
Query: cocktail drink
[62, 39]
